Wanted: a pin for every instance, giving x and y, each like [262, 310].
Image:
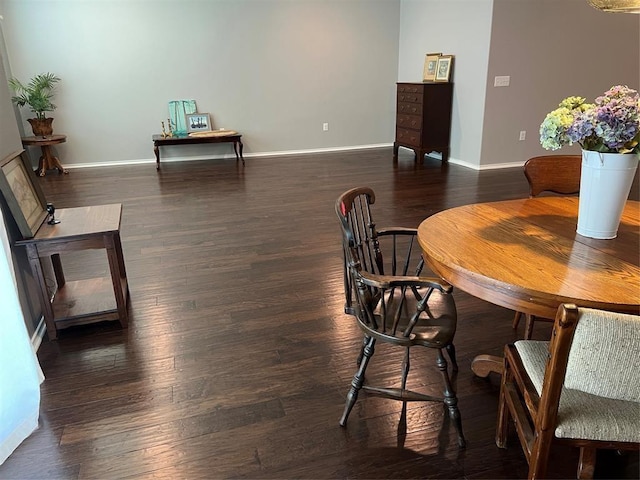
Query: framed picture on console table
[22, 193]
[444, 68]
[198, 122]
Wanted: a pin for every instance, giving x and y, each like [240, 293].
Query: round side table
[47, 160]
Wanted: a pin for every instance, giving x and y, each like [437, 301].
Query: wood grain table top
[79, 223]
[41, 141]
[526, 255]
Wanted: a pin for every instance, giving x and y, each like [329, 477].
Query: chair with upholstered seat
[582, 388]
[549, 173]
[393, 303]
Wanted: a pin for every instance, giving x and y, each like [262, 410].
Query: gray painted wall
[552, 49]
[274, 70]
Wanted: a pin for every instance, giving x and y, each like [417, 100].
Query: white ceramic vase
[605, 183]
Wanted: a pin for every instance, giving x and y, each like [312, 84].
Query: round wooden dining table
[525, 255]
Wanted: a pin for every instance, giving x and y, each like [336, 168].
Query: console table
[47, 160]
[218, 136]
[82, 301]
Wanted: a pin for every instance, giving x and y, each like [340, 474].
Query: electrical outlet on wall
[523, 134]
[325, 127]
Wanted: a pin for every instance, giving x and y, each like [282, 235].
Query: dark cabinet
[423, 118]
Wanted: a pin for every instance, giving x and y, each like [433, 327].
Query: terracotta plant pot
[41, 127]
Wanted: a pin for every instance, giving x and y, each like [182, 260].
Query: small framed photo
[22, 193]
[198, 122]
[430, 66]
[444, 68]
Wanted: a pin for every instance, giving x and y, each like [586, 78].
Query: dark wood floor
[238, 355]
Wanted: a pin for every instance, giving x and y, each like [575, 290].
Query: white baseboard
[493, 166]
[214, 157]
[454, 161]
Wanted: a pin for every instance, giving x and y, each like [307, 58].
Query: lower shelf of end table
[86, 301]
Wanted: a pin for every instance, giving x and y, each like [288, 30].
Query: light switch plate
[502, 81]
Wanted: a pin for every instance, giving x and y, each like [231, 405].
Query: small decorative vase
[605, 183]
[41, 126]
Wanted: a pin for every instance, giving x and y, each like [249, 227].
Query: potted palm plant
[37, 94]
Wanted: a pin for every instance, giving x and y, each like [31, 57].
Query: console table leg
[240, 147]
[156, 151]
[395, 152]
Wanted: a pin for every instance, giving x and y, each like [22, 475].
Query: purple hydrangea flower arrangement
[610, 125]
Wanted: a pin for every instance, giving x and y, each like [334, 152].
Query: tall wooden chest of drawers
[423, 118]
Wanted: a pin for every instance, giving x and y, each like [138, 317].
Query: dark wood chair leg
[586, 463]
[516, 320]
[365, 342]
[451, 351]
[528, 326]
[502, 427]
[540, 450]
[450, 399]
[406, 365]
[358, 381]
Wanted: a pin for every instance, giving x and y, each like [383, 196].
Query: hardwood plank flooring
[238, 355]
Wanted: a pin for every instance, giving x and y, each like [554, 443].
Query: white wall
[461, 28]
[275, 70]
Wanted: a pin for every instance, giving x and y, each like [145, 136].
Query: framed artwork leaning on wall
[22, 193]
[430, 65]
[198, 122]
[444, 68]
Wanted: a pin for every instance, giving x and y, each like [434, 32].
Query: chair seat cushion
[582, 415]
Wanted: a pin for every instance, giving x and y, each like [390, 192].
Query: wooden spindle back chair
[392, 302]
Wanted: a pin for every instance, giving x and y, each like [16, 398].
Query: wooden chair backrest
[559, 348]
[553, 173]
[353, 208]
[376, 284]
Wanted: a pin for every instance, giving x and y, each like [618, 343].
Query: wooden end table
[82, 301]
[47, 160]
[228, 136]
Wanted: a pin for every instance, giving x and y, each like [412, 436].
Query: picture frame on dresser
[22, 193]
[198, 122]
[430, 66]
[444, 68]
